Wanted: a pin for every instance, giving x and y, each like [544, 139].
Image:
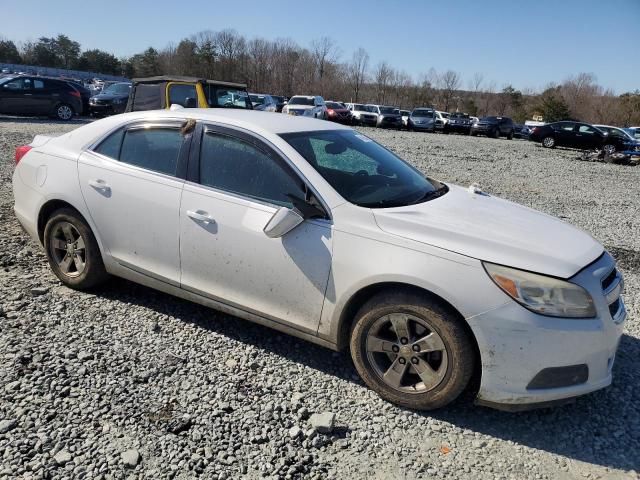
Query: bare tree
[476, 82]
[357, 71]
[324, 52]
[449, 84]
[383, 76]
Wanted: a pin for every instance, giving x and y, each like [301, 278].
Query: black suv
[493, 127]
[31, 95]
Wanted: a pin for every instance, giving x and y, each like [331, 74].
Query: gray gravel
[131, 383]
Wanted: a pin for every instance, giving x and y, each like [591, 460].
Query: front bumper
[516, 345]
[109, 109]
[457, 128]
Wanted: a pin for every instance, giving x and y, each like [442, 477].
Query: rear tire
[425, 366]
[510, 135]
[609, 149]
[64, 112]
[548, 142]
[73, 251]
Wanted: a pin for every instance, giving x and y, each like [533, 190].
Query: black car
[280, 102]
[493, 127]
[113, 99]
[577, 135]
[31, 95]
[458, 123]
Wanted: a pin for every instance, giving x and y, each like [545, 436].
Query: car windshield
[277, 98]
[227, 97]
[388, 110]
[634, 132]
[360, 108]
[362, 171]
[333, 105]
[257, 99]
[489, 119]
[459, 115]
[118, 89]
[422, 113]
[301, 101]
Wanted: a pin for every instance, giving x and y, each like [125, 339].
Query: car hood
[495, 230]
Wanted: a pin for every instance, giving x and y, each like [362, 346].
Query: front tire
[411, 350]
[73, 251]
[609, 149]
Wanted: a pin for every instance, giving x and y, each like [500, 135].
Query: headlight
[541, 294]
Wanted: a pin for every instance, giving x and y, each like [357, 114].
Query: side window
[155, 149]
[230, 164]
[14, 85]
[566, 126]
[178, 94]
[110, 146]
[38, 84]
[587, 129]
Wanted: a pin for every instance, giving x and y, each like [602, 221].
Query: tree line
[282, 67]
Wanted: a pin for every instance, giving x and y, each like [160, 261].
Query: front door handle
[99, 185]
[201, 216]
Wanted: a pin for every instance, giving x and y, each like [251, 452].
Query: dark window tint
[111, 145]
[154, 149]
[232, 165]
[14, 85]
[178, 94]
[567, 126]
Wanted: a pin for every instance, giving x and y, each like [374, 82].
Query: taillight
[75, 93]
[21, 152]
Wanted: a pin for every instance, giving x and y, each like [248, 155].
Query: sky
[526, 43]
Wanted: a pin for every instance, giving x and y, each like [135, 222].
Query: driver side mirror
[190, 102]
[282, 222]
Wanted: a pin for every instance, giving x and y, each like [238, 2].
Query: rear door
[132, 184]
[587, 137]
[44, 95]
[565, 134]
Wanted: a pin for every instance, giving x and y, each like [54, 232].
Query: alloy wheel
[548, 142]
[407, 353]
[609, 149]
[65, 112]
[67, 249]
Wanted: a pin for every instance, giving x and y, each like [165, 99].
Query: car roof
[179, 78]
[261, 122]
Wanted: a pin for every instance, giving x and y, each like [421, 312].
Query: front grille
[612, 287]
[614, 307]
[609, 279]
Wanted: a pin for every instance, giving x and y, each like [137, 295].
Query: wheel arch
[359, 298]
[47, 209]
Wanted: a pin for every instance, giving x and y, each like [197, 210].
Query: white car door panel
[136, 212]
[231, 259]
[224, 251]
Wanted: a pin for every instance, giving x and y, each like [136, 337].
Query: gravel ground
[131, 383]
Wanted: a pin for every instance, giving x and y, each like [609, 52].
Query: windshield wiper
[431, 195]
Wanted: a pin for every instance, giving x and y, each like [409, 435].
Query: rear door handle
[99, 185]
[201, 216]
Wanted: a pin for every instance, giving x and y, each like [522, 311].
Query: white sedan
[316, 230]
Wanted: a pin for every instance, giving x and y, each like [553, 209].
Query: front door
[239, 185]
[132, 187]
